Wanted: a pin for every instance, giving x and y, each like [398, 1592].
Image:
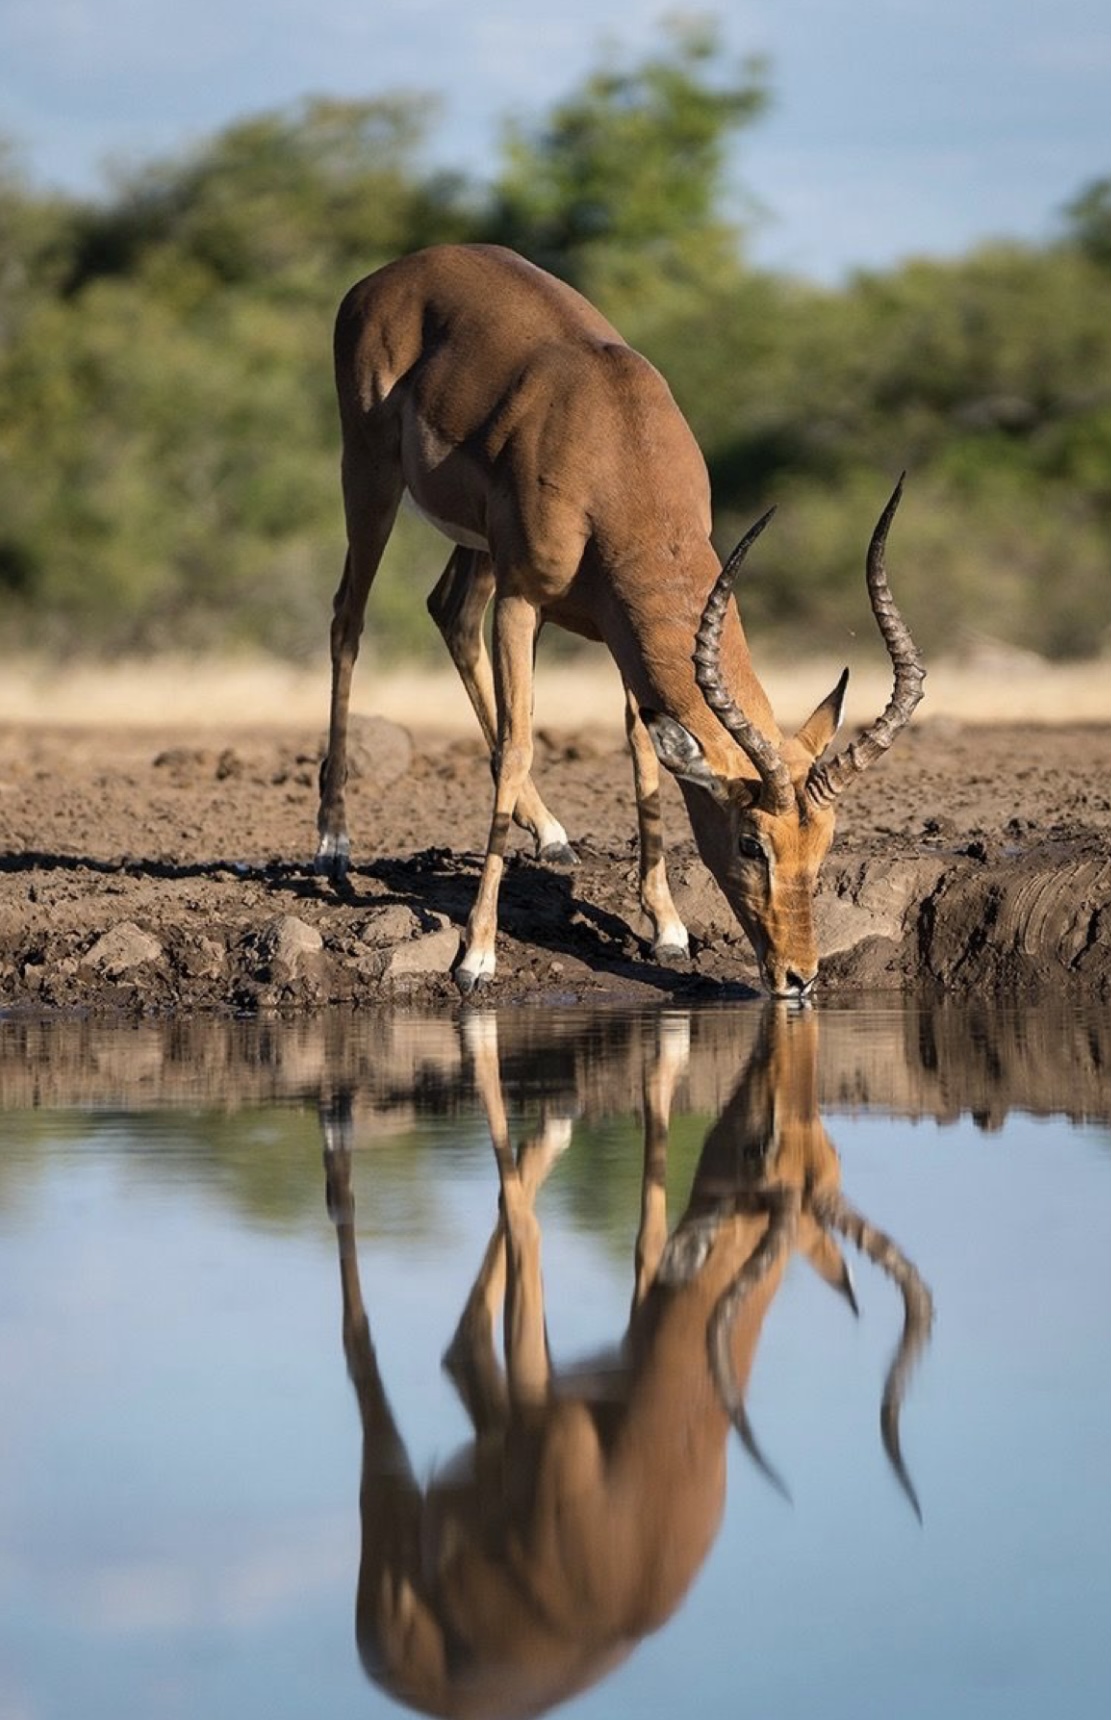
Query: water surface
[201, 1445]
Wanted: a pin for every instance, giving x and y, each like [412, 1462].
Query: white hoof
[475, 970]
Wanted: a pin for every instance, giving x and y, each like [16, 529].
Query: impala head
[769, 1156]
[764, 836]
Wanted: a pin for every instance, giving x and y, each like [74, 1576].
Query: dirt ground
[148, 868]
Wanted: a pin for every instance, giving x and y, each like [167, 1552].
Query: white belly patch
[456, 534]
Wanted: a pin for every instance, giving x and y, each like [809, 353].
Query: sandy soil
[154, 855]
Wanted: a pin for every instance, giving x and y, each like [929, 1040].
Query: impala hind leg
[670, 941]
[457, 605]
[371, 495]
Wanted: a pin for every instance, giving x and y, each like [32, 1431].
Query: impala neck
[652, 638]
[668, 1343]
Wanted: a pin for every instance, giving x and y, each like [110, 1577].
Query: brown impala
[554, 457]
[576, 1520]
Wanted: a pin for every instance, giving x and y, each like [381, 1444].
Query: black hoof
[468, 983]
[333, 859]
[560, 855]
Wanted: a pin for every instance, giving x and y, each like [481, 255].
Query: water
[184, 1409]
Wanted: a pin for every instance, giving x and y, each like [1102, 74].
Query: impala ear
[830, 1264]
[679, 752]
[821, 726]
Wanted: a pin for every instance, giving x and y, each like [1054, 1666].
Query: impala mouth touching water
[555, 458]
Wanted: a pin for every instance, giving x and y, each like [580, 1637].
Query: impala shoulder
[632, 376]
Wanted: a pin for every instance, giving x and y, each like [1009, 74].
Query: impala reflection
[575, 1520]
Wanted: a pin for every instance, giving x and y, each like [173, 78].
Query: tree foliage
[622, 191]
[168, 442]
[1089, 220]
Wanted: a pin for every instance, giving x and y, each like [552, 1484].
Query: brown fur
[519, 422]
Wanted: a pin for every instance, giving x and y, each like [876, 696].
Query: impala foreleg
[658, 1087]
[510, 1270]
[470, 1360]
[457, 605]
[662, 1074]
[670, 941]
[515, 622]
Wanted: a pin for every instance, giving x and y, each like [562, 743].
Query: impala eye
[750, 848]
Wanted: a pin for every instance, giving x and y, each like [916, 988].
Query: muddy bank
[142, 872]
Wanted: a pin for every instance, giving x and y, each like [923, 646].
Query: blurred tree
[167, 451]
[990, 378]
[34, 245]
[168, 441]
[1089, 221]
[285, 201]
[624, 188]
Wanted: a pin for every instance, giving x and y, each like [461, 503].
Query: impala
[533, 1562]
[553, 455]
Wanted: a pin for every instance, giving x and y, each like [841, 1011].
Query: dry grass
[995, 687]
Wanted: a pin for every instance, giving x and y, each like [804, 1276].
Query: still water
[750, 1469]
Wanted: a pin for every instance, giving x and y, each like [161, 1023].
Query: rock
[869, 964]
[123, 947]
[876, 898]
[392, 924]
[229, 765]
[433, 953]
[289, 945]
[701, 905]
[377, 750]
[182, 761]
[397, 940]
[201, 958]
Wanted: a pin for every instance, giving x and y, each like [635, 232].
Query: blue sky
[900, 127]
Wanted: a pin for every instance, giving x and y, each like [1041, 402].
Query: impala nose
[789, 982]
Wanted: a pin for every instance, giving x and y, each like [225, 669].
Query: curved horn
[825, 782]
[707, 669]
[783, 1210]
[738, 1414]
[832, 1209]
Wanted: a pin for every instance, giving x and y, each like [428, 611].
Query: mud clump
[153, 874]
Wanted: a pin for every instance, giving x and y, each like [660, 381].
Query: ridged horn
[825, 782]
[834, 1212]
[782, 1205]
[778, 794]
